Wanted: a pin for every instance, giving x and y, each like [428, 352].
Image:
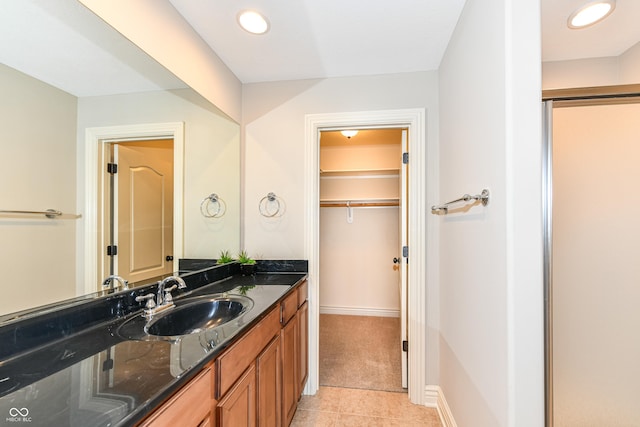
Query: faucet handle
[150, 301]
[180, 282]
[168, 298]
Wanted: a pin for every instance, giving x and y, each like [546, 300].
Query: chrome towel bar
[482, 198]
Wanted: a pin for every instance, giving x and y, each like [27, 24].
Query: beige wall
[38, 172]
[608, 71]
[158, 29]
[357, 275]
[595, 265]
[360, 157]
[274, 117]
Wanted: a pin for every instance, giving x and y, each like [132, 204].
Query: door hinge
[107, 365]
[112, 168]
[405, 251]
[405, 346]
[405, 158]
[112, 250]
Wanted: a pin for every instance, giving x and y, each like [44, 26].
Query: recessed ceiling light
[591, 13]
[253, 22]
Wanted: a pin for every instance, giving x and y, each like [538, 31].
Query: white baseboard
[434, 398]
[356, 311]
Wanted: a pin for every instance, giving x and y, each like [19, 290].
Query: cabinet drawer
[240, 355]
[289, 306]
[191, 406]
[303, 291]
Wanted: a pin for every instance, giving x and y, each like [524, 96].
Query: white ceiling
[326, 38]
[611, 37]
[63, 44]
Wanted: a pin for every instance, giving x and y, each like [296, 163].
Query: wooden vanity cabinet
[238, 407]
[289, 338]
[190, 407]
[254, 400]
[303, 330]
[269, 375]
[248, 377]
[257, 381]
[294, 342]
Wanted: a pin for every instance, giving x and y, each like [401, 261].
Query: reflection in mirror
[64, 75]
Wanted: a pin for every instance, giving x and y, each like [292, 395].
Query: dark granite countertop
[104, 376]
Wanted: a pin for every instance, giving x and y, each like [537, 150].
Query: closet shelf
[358, 172]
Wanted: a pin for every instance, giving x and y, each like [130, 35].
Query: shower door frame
[558, 98]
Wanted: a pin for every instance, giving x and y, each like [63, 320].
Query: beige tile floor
[335, 406]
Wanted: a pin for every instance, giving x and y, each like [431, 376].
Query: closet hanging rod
[482, 197]
[49, 213]
[358, 203]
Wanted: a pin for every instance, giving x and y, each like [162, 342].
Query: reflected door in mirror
[144, 206]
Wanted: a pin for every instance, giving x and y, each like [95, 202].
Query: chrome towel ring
[271, 206]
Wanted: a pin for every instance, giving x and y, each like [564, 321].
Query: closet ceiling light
[591, 13]
[253, 22]
[349, 133]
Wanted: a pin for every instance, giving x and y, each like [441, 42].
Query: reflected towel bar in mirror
[49, 213]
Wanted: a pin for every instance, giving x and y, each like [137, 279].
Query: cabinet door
[290, 361]
[190, 407]
[238, 407]
[268, 366]
[303, 348]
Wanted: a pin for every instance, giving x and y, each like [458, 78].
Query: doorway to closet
[363, 273]
[422, 174]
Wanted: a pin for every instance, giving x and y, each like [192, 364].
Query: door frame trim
[96, 140]
[415, 121]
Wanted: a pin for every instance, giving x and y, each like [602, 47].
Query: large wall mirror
[77, 95]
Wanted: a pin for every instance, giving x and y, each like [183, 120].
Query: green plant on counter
[244, 289]
[245, 259]
[224, 258]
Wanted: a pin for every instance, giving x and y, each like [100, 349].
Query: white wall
[211, 158]
[38, 172]
[491, 331]
[595, 265]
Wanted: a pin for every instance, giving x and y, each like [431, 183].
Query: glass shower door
[595, 289]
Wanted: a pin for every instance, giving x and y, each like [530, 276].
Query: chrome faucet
[164, 295]
[109, 282]
[164, 300]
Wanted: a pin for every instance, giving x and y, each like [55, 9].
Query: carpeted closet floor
[360, 352]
